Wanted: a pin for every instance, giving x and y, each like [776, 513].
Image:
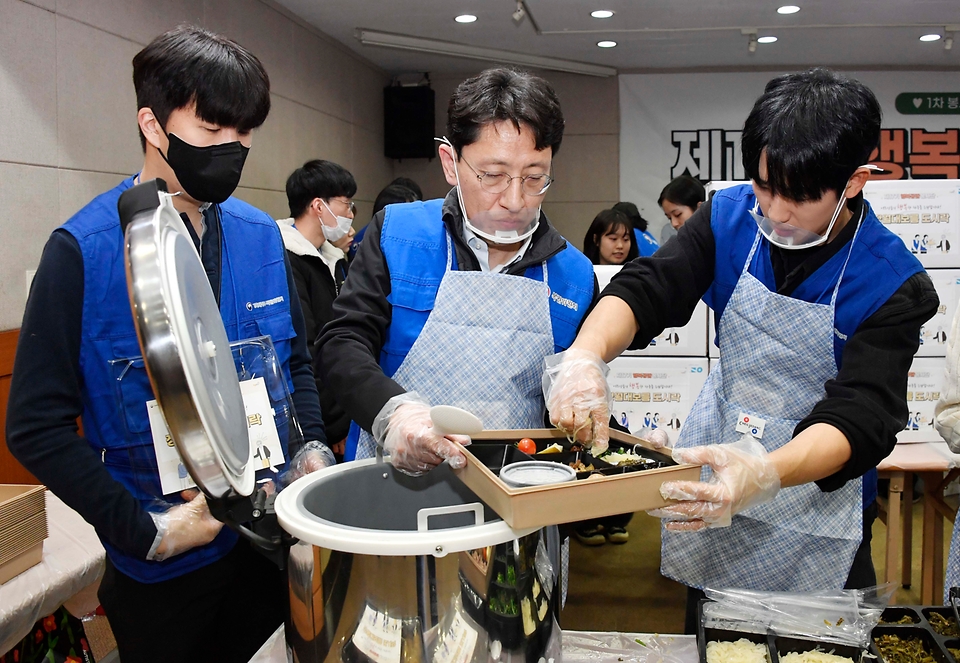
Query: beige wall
[587, 167]
[68, 111]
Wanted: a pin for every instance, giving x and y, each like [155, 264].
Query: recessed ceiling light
[602, 13]
[465, 18]
[930, 38]
[788, 9]
[606, 44]
[766, 40]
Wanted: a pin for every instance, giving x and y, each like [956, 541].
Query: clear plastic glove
[578, 398]
[743, 476]
[312, 456]
[411, 441]
[185, 526]
[657, 437]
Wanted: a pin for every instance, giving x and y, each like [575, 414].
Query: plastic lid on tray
[536, 473]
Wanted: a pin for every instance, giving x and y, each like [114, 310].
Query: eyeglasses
[531, 185]
[349, 204]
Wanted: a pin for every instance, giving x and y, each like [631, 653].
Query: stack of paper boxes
[925, 214]
[657, 386]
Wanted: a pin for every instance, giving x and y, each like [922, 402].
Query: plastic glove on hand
[657, 437]
[415, 446]
[743, 476]
[185, 526]
[578, 398]
[312, 456]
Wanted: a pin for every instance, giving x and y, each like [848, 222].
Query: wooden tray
[594, 497]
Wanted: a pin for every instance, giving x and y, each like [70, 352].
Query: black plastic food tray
[776, 644]
[921, 627]
[496, 454]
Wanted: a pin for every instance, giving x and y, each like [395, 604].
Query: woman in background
[679, 200]
[609, 239]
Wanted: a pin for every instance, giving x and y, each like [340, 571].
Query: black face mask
[207, 174]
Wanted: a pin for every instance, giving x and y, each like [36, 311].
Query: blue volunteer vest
[414, 245]
[254, 301]
[646, 244]
[879, 265]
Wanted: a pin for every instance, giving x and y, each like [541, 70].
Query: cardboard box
[925, 214]
[595, 497]
[655, 392]
[924, 384]
[23, 527]
[935, 334]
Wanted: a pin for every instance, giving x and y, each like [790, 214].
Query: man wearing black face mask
[177, 586]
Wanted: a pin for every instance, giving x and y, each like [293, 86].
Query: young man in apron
[819, 309]
[458, 301]
[177, 586]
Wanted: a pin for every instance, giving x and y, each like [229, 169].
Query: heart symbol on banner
[917, 102]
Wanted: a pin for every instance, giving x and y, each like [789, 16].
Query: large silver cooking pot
[393, 568]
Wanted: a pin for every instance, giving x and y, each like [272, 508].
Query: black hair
[393, 193]
[318, 179]
[816, 128]
[631, 211]
[410, 184]
[606, 221]
[683, 190]
[498, 95]
[190, 65]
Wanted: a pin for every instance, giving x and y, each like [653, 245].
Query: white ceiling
[652, 34]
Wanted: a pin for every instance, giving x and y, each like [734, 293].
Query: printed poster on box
[924, 384]
[655, 392]
[935, 333]
[687, 341]
[925, 214]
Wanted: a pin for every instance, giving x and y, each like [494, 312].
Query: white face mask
[339, 231]
[485, 225]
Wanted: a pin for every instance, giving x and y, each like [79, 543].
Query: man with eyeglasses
[819, 310]
[316, 237]
[457, 301]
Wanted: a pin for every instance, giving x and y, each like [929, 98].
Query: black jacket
[317, 288]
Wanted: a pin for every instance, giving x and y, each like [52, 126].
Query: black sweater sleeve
[349, 345]
[662, 290]
[305, 398]
[866, 401]
[45, 403]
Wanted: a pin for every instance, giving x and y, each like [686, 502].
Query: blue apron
[777, 353]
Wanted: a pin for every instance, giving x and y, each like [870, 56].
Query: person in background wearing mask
[819, 309]
[439, 292]
[646, 244]
[319, 229]
[177, 586]
[679, 200]
[390, 195]
[609, 239]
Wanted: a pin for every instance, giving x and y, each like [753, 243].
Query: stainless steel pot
[392, 568]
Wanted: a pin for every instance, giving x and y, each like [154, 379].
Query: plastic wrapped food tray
[938, 646]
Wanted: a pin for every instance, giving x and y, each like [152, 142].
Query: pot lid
[184, 344]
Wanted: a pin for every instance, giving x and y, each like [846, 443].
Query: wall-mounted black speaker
[408, 122]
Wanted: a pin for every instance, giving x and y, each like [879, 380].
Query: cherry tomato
[527, 446]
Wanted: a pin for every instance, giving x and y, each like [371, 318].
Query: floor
[619, 587]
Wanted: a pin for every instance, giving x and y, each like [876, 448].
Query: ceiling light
[606, 44]
[788, 9]
[602, 13]
[465, 18]
[766, 40]
[932, 37]
[455, 49]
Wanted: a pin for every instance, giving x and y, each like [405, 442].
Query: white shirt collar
[482, 251]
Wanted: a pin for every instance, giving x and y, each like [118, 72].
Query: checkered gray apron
[776, 354]
[482, 349]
